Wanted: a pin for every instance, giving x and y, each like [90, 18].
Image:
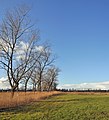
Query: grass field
[62, 107]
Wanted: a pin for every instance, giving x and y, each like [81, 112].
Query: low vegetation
[22, 98]
[66, 106]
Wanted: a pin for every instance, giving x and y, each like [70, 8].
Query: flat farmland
[66, 106]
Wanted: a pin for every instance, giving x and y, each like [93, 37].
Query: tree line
[87, 90]
[25, 60]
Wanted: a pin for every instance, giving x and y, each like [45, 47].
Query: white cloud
[22, 47]
[20, 50]
[4, 83]
[39, 48]
[99, 85]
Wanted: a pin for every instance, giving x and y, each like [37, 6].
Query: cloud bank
[83, 86]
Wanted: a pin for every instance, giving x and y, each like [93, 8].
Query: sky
[78, 31]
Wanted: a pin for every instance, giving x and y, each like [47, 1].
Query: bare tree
[31, 75]
[17, 44]
[51, 78]
[24, 82]
[34, 79]
[46, 59]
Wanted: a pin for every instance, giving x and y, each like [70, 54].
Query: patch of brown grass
[21, 98]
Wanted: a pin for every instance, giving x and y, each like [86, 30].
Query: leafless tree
[51, 78]
[17, 45]
[30, 77]
[24, 82]
[34, 79]
[46, 59]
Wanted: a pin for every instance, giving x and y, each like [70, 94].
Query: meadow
[65, 106]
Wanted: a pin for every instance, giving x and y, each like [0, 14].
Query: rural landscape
[62, 79]
[54, 106]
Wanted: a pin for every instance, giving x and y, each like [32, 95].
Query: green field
[62, 107]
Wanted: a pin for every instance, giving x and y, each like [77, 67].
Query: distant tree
[51, 78]
[46, 59]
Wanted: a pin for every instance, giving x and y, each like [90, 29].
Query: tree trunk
[39, 83]
[12, 92]
[26, 85]
[39, 86]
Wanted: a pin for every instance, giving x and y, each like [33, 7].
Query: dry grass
[21, 98]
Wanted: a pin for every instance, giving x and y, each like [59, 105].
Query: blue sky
[78, 31]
